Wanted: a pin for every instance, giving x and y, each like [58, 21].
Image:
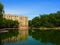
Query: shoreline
[58, 28]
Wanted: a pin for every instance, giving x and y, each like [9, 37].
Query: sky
[30, 8]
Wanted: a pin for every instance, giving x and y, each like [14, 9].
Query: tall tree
[1, 10]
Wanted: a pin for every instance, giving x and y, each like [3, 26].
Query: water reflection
[46, 36]
[1, 42]
[20, 36]
[41, 37]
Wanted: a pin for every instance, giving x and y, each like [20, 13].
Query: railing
[6, 30]
[3, 30]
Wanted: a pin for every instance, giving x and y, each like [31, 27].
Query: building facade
[23, 20]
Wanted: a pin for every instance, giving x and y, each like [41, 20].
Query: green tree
[36, 22]
[46, 20]
[30, 23]
[1, 15]
[1, 10]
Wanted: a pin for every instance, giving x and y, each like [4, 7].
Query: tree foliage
[10, 23]
[1, 10]
[46, 20]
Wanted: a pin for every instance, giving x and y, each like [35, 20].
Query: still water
[30, 37]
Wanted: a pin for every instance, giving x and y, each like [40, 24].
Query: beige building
[23, 20]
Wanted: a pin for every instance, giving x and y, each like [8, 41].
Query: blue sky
[31, 8]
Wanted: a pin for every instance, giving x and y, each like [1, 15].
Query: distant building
[23, 20]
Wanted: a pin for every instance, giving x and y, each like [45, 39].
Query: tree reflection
[10, 33]
[45, 36]
[1, 43]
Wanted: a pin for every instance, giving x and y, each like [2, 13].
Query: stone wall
[23, 20]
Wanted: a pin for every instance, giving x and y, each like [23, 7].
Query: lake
[30, 37]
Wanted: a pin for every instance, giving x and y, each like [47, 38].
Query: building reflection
[23, 35]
